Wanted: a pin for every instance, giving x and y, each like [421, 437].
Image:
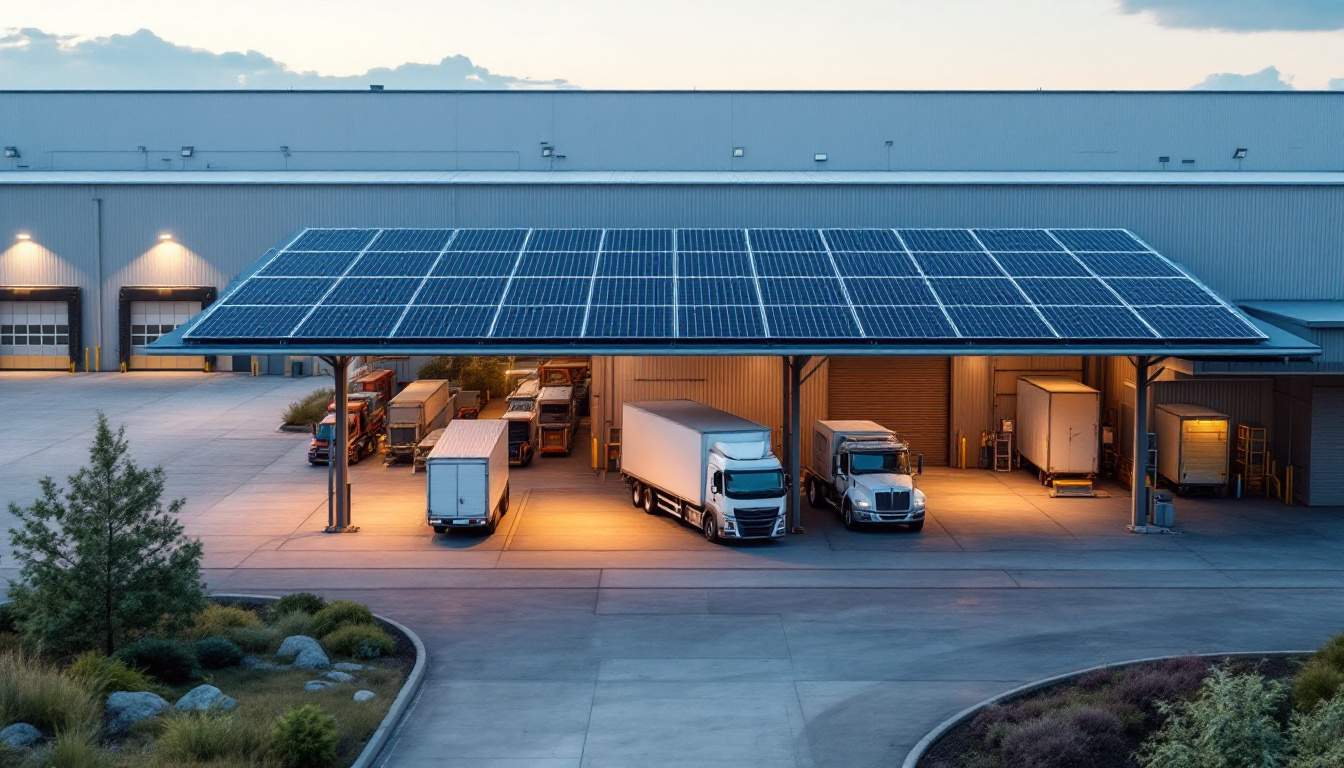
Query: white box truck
[521, 414]
[1058, 426]
[422, 407]
[862, 470]
[1192, 446]
[467, 483]
[708, 468]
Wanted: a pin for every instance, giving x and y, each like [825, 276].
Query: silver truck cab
[866, 473]
[520, 415]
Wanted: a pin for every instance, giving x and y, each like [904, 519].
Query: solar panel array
[740, 285]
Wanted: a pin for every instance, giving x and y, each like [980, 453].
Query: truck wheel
[709, 525]
[440, 529]
[847, 514]
[650, 500]
[916, 527]
[504, 504]
[636, 495]
[814, 493]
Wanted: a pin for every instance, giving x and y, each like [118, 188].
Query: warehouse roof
[1309, 314]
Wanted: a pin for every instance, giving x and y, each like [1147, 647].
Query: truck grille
[891, 501]
[519, 431]
[756, 521]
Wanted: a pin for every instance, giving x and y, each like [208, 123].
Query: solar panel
[555, 240]
[711, 240]
[227, 322]
[629, 322]
[461, 290]
[635, 264]
[445, 323]
[861, 240]
[309, 264]
[999, 323]
[475, 264]
[905, 323]
[1097, 240]
[938, 240]
[333, 240]
[793, 290]
[349, 323]
[281, 290]
[957, 265]
[1017, 240]
[547, 290]
[982, 291]
[727, 290]
[1067, 290]
[538, 323]
[1128, 264]
[720, 322]
[632, 290]
[774, 240]
[713, 264]
[811, 323]
[638, 240]
[1040, 265]
[896, 290]
[488, 240]
[373, 290]
[875, 264]
[553, 264]
[1197, 323]
[793, 264]
[1096, 323]
[379, 264]
[1177, 291]
[411, 240]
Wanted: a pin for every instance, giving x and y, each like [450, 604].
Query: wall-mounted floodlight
[820, 157]
[165, 237]
[23, 236]
[284, 150]
[739, 151]
[188, 151]
[1239, 153]
[1164, 159]
[11, 151]
[375, 88]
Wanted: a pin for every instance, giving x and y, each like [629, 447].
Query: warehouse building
[124, 214]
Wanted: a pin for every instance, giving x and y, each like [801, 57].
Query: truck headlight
[861, 503]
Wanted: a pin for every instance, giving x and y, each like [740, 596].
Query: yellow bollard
[596, 465]
[98, 358]
[86, 359]
[963, 451]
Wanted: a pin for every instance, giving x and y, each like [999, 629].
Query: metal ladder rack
[1251, 458]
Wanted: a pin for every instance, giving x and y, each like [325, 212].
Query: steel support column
[338, 452]
[1139, 497]
[795, 389]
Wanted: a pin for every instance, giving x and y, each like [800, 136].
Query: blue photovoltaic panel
[632, 290]
[1017, 240]
[381, 264]
[309, 264]
[720, 322]
[445, 323]
[1096, 323]
[716, 290]
[629, 322]
[862, 240]
[1097, 240]
[552, 240]
[938, 240]
[792, 290]
[1067, 290]
[711, 240]
[411, 240]
[713, 264]
[249, 322]
[281, 290]
[1040, 265]
[349, 323]
[373, 290]
[557, 264]
[461, 290]
[793, 264]
[958, 265]
[897, 290]
[811, 323]
[763, 240]
[999, 323]
[475, 264]
[905, 323]
[982, 291]
[539, 323]
[875, 264]
[1197, 323]
[635, 264]
[543, 291]
[1161, 290]
[488, 240]
[638, 240]
[333, 240]
[1128, 264]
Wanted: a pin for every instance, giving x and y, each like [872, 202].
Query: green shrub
[218, 652]
[219, 620]
[294, 623]
[76, 748]
[1316, 682]
[440, 367]
[305, 737]
[309, 410]
[306, 602]
[1332, 652]
[255, 639]
[167, 661]
[1231, 723]
[359, 641]
[1316, 738]
[191, 738]
[340, 613]
[104, 675]
[38, 694]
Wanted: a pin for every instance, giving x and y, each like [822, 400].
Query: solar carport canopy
[706, 290]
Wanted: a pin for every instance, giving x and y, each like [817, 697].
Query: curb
[916, 752]
[378, 740]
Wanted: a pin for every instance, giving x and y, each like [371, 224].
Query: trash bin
[1164, 510]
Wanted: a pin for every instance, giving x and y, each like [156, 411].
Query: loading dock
[145, 313]
[40, 328]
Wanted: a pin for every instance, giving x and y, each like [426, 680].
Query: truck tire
[847, 514]
[440, 529]
[636, 495]
[814, 496]
[504, 503]
[649, 500]
[917, 526]
[709, 526]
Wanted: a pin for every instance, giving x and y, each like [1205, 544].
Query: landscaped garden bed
[1272, 711]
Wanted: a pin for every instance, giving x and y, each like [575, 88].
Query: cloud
[1267, 79]
[1242, 15]
[1337, 84]
[32, 58]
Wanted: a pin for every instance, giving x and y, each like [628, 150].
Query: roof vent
[376, 88]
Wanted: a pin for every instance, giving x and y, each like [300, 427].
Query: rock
[19, 736]
[256, 662]
[206, 698]
[313, 686]
[347, 666]
[126, 708]
[306, 652]
[336, 676]
[363, 696]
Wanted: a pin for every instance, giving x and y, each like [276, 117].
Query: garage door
[908, 395]
[152, 319]
[34, 335]
[1325, 481]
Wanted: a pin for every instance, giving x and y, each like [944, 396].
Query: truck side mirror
[844, 464]
[716, 482]
[919, 464]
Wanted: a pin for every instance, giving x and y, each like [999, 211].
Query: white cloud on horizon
[1267, 79]
[1243, 15]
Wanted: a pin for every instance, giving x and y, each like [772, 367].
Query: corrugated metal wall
[972, 404]
[1326, 485]
[908, 395]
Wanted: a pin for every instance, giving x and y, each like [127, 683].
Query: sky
[691, 44]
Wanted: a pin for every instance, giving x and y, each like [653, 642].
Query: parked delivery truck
[864, 471]
[467, 476]
[422, 407]
[711, 469]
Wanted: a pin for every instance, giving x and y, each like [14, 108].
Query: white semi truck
[710, 469]
[468, 475]
[521, 416]
[864, 471]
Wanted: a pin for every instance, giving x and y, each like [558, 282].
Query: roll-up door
[152, 319]
[908, 395]
[1326, 481]
[35, 335]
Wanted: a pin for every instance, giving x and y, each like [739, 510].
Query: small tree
[103, 560]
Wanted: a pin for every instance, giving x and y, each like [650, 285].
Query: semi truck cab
[521, 418]
[866, 473]
[745, 492]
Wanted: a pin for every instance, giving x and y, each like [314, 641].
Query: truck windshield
[520, 404]
[555, 413]
[326, 432]
[870, 463]
[754, 484]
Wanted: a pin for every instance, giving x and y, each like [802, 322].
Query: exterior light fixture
[820, 157]
[188, 151]
[11, 151]
[23, 236]
[165, 237]
[1239, 153]
[547, 150]
[739, 151]
[375, 88]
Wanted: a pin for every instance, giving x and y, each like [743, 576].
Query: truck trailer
[1192, 446]
[708, 468]
[467, 476]
[422, 407]
[862, 470]
[1058, 427]
[557, 420]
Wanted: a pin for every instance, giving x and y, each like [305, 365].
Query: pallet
[1072, 487]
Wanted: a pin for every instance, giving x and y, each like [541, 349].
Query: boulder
[306, 652]
[206, 698]
[347, 666]
[336, 676]
[313, 686]
[20, 736]
[363, 696]
[126, 708]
